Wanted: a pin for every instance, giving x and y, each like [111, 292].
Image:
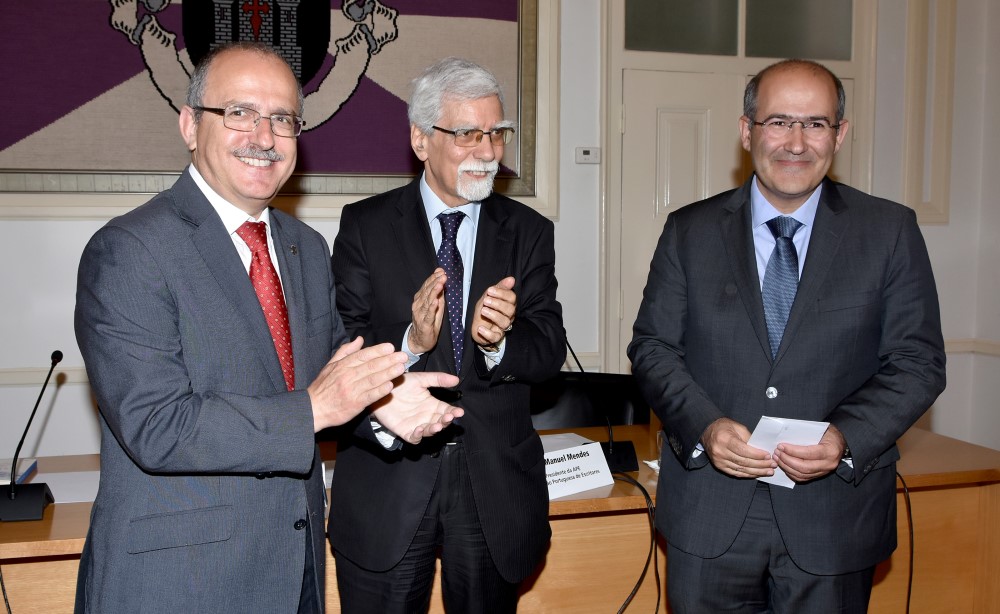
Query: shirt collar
[434, 206]
[232, 216]
[762, 210]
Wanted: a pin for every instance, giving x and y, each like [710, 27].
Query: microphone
[620, 455]
[27, 501]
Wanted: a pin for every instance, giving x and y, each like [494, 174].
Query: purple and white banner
[95, 85]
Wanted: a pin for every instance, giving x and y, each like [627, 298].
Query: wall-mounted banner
[97, 84]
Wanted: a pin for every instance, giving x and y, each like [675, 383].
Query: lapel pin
[294, 249]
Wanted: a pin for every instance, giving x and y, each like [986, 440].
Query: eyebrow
[796, 118]
[500, 124]
[256, 107]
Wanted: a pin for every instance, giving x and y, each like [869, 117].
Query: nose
[262, 133]
[795, 142]
[486, 150]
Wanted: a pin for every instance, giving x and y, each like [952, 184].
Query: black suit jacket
[862, 349]
[382, 254]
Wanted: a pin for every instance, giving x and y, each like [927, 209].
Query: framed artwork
[97, 85]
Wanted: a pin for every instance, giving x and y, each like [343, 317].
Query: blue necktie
[781, 279]
[451, 261]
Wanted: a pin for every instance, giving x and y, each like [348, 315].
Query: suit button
[458, 394]
[507, 378]
[260, 476]
[300, 524]
[435, 454]
[771, 392]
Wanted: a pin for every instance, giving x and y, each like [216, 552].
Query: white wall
[39, 280]
[578, 228]
[40, 256]
[985, 68]
[964, 251]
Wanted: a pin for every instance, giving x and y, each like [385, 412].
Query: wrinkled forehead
[454, 106]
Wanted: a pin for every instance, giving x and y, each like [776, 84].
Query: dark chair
[574, 399]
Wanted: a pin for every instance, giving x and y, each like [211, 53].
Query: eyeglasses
[776, 128]
[465, 137]
[243, 119]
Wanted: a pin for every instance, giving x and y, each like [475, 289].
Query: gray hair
[199, 78]
[750, 94]
[448, 80]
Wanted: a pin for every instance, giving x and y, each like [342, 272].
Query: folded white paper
[772, 431]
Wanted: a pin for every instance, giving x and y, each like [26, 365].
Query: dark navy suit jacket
[862, 349]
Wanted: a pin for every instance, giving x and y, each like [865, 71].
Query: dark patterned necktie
[781, 279]
[451, 261]
[272, 301]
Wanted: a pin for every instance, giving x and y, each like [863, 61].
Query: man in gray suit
[212, 382]
[850, 335]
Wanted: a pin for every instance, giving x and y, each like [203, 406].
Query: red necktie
[268, 287]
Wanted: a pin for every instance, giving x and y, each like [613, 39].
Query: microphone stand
[27, 501]
[620, 455]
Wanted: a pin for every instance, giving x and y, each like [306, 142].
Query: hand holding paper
[773, 431]
[806, 463]
[725, 442]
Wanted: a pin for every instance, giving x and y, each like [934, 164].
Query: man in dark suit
[212, 382]
[479, 301]
[715, 347]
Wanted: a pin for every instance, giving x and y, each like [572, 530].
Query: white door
[680, 145]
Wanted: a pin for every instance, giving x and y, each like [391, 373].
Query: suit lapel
[737, 238]
[219, 255]
[412, 235]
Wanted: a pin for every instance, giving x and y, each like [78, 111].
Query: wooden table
[600, 539]
[955, 499]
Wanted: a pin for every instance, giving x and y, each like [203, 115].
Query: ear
[745, 132]
[418, 141]
[189, 127]
[841, 134]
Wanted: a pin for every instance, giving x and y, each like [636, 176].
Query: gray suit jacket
[210, 475]
[382, 254]
[862, 349]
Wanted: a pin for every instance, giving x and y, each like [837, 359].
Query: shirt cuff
[385, 437]
[404, 346]
[493, 358]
